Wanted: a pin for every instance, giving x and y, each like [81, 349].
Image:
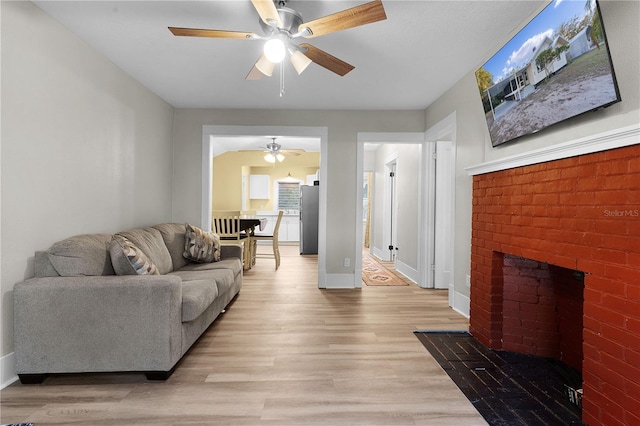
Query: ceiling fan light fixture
[281, 25]
[271, 157]
[275, 50]
[265, 66]
[299, 61]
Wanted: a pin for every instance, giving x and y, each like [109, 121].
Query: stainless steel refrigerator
[309, 211]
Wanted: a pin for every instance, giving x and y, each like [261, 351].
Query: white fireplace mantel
[617, 138]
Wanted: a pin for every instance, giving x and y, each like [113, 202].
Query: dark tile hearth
[506, 388]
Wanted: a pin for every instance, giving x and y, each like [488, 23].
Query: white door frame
[393, 138]
[390, 209]
[209, 132]
[443, 225]
[444, 130]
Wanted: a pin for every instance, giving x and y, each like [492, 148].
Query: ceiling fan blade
[348, 18]
[326, 60]
[195, 32]
[268, 12]
[293, 152]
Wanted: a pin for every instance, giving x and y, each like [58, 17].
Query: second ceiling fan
[275, 152]
[282, 25]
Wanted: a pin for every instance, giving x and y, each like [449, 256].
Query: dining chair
[226, 223]
[219, 213]
[252, 247]
[274, 241]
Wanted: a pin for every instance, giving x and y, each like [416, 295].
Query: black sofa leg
[32, 379]
[158, 375]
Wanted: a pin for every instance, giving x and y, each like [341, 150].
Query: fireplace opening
[542, 316]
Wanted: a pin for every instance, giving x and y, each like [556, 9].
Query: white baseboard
[403, 268]
[358, 273]
[335, 281]
[8, 370]
[380, 254]
[459, 302]
[407, 271]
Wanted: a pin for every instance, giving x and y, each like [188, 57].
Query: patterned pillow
[127, 259]
[200, 246]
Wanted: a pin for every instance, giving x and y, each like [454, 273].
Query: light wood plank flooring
[285, 353]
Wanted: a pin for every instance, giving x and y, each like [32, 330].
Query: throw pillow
[82, 255]
[201, 246]
[127, 259]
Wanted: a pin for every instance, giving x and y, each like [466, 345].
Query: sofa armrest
[92, 324]
[230, 250]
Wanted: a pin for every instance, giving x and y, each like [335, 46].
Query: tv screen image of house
[557, 67]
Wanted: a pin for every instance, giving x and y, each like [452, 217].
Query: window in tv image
[558, 66]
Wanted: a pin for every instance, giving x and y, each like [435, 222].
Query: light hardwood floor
[285, 353]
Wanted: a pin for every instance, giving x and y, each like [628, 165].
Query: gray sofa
[78, 315]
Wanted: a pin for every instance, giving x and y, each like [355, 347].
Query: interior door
[443, 230]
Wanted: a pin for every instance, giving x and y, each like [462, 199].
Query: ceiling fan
[275, 152]
[282, 25]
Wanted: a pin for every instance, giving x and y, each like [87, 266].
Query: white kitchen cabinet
[289, 226]
[259, 186]
[292, 225]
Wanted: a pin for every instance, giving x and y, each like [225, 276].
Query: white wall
[473, 144]
[85, 148]
[343, 127]
[407, 187]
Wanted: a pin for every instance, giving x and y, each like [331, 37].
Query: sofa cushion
[150, 241]
[173, 236]
[225, 281]
[42, 266]
[197, 296]
[224, 278]
[201, 246]
[233, 264]
[128, 259]
[82, 255]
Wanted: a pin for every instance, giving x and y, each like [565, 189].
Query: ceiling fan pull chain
[281, 79]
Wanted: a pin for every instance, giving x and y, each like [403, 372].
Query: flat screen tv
[557, 67]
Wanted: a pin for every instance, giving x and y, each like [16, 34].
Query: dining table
[248, 224]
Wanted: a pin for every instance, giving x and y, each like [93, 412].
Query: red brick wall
[580, 213]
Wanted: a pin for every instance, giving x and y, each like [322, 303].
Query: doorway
[210, 132]
[394, 210]
[437, 141]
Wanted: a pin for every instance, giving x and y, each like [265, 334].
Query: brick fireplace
[555, 271]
